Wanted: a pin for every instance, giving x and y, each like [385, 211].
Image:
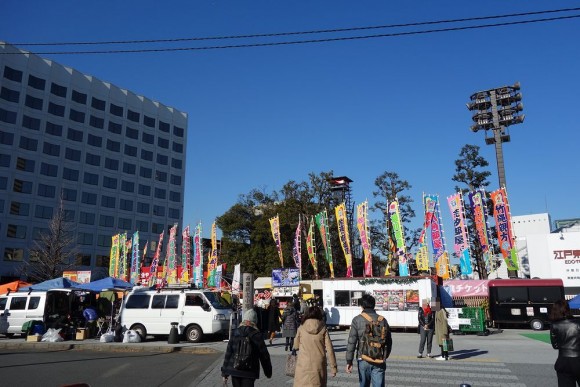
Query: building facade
[116, 160]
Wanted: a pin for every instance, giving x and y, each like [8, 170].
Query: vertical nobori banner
[363, 232]
[275, 227]
[398, 233]
[135, 259]
[311, 246]
[171, 257]
[322, 223]
[342, 224]
[185, 256]
[476, 198]
[461, 240]
[197, 258]
[122, 257]
[155, 261]
[213, 258]
[297, 248]
[503, 224]
[422, 256]
[442, 265]
[114, 257]
[437, 241]
[236, 279]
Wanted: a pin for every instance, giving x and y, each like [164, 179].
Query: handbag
[448, 345]
[290, 365]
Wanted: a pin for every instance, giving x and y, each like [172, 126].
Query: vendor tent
[13, 286]
[574, 302]
[108, 283]
[56, 283]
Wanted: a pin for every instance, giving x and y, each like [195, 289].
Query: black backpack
[244, 356]
[373, 340]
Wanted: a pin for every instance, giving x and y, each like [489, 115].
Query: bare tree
[53, 251]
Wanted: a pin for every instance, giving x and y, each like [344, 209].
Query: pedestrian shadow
[467, 353]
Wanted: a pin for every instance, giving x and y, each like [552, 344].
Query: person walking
[565, 337]
[242, 376]
[426, 327]
[315, 351]
[369, 373]
[289, 325]
[274, 318]
[441, 330]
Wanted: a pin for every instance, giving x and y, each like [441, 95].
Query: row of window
[13, 254]
[78, 97]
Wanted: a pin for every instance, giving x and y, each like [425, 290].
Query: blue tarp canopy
[56, 283]
[106, 284]
[574, 302]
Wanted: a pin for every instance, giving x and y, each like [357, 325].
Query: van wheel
[193, 334]
[537, 325]
[141, 331]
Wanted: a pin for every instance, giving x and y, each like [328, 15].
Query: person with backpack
[370, 337]
[245, 352]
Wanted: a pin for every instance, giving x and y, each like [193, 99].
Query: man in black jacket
[426, 327]
[246, 378]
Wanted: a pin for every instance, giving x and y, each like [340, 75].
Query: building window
[91, 178]
[161, 176]
[148, 138]
[3, 185]
[133, 116]
[164, 126]
[143, 208]
[109, 182]
[12, 74]
[146, 173]
[173, 213]
[106, 221]
[7, 116]
[58, 90]
[96, 122]
[79, 97]
[162, 142]
[69, 215]
[53, 129]
[36, 83]
[30, 122]
[113, 146]
[48, 169]
[157, 228]
[127, 186]
[130, 150]
[116, 110]
[146, 155]
[76, 116]
[4, 160]
[51, 149]
[87, 218]
[178, 132]
[70, 174]
[16, 231]
[108, 201]
[19, 209]
[47, 191]
[13, 254]
[176, 163]
[98, 104]
[144, 190]
[95, 141]
[129, 168]
[43, 212]
[69, 194]
[132, 133]
[175, 180]
[102, 261]
[162, 159]
[72, 154]
[39, 232]
[33, 102]
[126, 205]
[89, 198]
[6, 138]
[92, 159]
[85, 238]
[83, 259]
[160, 193]
[148, 121]
[115, 128]
[22, 186]
[177, 147]
[174, 196]
[111, 164]
[142, 225]
[158, 210]
[104, 240]
[10, 95]
[125, 224]
[55, 109]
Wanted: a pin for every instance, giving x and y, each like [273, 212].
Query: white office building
[117, 159]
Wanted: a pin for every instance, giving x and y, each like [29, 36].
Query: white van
[196, 312]
[19, 307]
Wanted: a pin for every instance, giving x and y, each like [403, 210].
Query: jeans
[426, 335]
[370, 374]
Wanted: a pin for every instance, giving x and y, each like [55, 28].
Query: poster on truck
[396, 300]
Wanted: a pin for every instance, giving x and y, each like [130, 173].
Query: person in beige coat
[441, 330]
[315, 351]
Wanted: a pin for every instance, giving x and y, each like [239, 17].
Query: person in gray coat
[289, 325]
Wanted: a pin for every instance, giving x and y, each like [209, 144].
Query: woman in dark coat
[565, 337]
[274, 317]
[289, 325]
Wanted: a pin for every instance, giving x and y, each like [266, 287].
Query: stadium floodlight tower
[496, 110]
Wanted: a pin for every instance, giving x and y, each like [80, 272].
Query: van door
[3, 316]
[194, 313]
[171, 313]
[16, 313]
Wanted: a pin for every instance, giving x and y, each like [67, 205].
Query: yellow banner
[442, 266]
[275, 227]
[342, 223]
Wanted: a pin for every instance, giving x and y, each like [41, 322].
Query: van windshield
[216, 301]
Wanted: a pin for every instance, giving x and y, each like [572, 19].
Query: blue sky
[259, 117]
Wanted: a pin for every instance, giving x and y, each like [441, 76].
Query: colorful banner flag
[236, 280]
[197, 257]
[422, 257]
[363, 232]
[135, 259]
[461, 239]
[171, 257]
[503, 225]
[275, 227]
[155, 261]
[114, 257]
[437, 240]
[322, 223]
[476, 198]
[343, 236]
[218, 277]
[442, 265]
[311, 246]
[185, 256]
[398, 234]
[297, 248]
[122, 274]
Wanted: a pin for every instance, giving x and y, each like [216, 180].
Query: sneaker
[430, 356]
[441, 358]
[420, 356]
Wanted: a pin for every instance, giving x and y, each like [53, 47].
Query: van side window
[193, 300]
[138, 301]
[172, 301]
[158, 301]
[33, 303]
[18, 303]
[3, 303]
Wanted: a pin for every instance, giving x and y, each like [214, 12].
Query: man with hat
[260, 354]
[426, 327]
